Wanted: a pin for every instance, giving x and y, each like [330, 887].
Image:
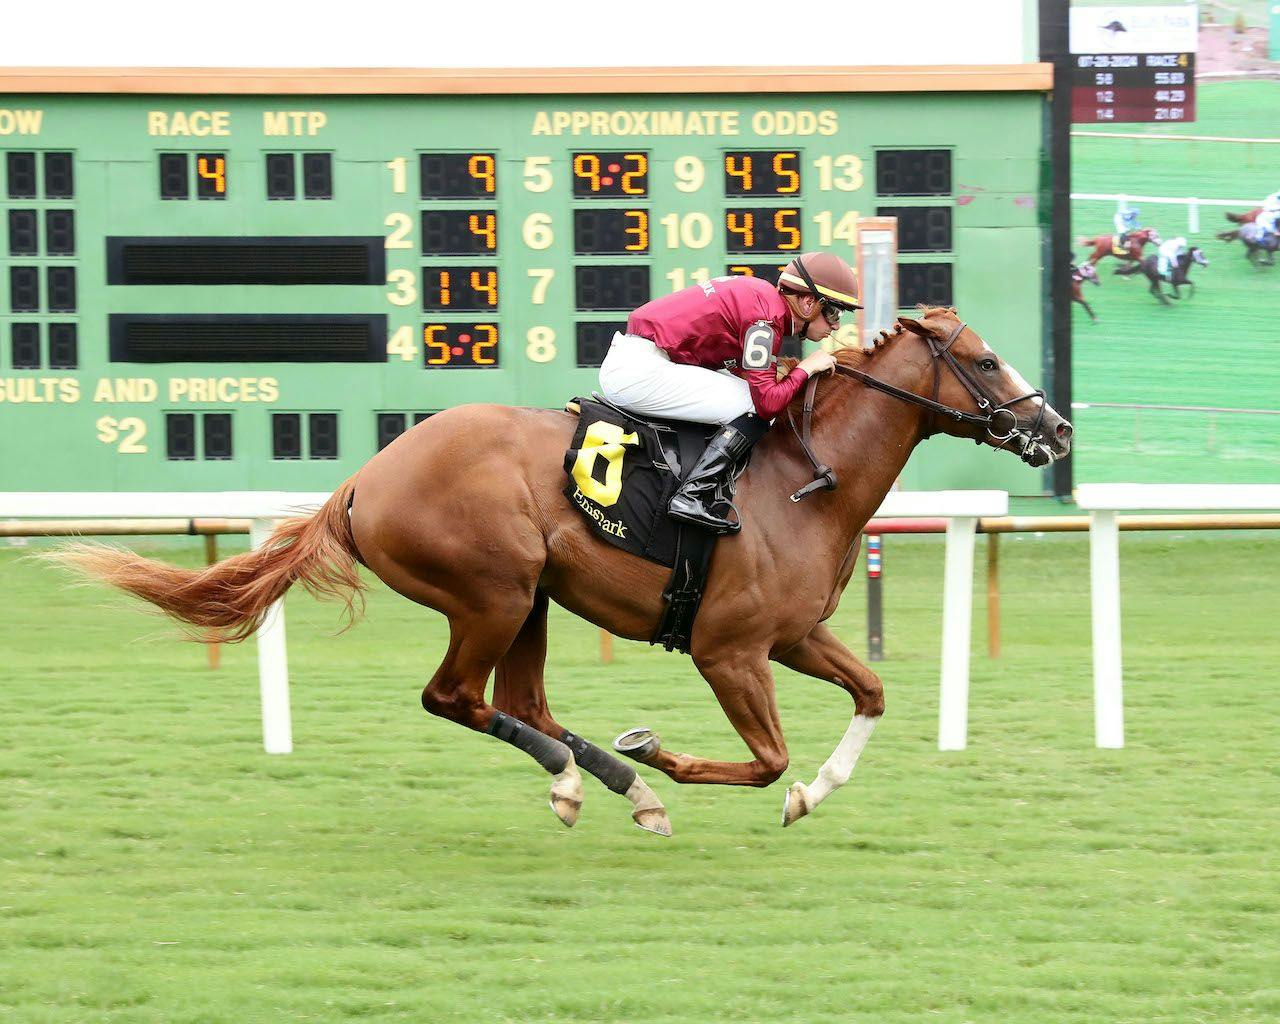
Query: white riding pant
[639, 376]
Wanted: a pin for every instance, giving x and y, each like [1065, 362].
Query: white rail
[962, 509]
[1193, 203]
[1103, 501]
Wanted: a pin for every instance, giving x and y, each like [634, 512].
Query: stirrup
[708, 520]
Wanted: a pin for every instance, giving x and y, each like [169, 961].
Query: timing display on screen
[620, 288]
[458, 175]
[453, 346]
[762, 173]
[459, 288]
[592, 341]
[913, 172]
[924, 284]
[921, 228]
[459, 232]
[762, 229]
[610, 232]
[610, 175]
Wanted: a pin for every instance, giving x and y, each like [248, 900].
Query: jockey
[708, 354]
[1125, 221]
[1169, 253]
[1271, 203]
[1268, 220]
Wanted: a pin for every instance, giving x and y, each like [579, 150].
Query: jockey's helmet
[824, 275]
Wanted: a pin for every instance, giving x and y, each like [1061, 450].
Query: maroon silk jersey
[733, 322]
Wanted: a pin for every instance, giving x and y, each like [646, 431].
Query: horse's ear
[914, 326]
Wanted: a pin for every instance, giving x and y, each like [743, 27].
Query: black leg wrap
[604, 766]
[551, 754]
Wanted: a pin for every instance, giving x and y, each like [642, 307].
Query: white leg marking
[802, 799]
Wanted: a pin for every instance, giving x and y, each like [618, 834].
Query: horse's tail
[229, 600]
[1238, 218]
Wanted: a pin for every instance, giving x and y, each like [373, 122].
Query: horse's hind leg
[823, 656]
[477, 642]
[743, 684]
[519, 691]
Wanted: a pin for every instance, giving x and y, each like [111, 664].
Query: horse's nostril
[1064, 431]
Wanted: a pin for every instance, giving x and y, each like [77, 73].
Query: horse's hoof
[653, 819]
[795, 804]
[566, 795]
[639, 744]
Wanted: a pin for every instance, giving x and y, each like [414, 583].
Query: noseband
[988, 417]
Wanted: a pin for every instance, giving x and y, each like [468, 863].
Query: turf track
[158, 867]
[1221, 348]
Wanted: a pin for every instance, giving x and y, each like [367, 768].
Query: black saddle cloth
[623, 471]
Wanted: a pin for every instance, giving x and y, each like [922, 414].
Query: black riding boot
[694, 502]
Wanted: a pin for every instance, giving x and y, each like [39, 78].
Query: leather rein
[990, 411]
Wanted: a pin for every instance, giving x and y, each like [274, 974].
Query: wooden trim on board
[528, 81]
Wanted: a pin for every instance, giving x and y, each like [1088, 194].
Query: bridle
[989, 416]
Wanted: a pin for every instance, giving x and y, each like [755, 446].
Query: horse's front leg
[743, 684]
[823, 656]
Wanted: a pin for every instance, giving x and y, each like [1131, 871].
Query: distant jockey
[1125, 221]
[1268, 220]
[1169, 253]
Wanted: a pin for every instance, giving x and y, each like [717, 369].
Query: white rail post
[1193, 216]
[273, 664]
[1108, 686]
[957, 618]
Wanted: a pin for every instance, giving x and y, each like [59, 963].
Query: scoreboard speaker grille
[231, 338]
[246, 260]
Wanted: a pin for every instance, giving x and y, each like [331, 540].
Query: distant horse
[1178, 275]
[1104, 245]
[1257, 243]
[511, 542]
[1079, 275]
[1238, 218]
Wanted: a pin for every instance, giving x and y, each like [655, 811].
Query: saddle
[623, 471]
[1116, 248]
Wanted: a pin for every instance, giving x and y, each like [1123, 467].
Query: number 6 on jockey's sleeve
[757, 346]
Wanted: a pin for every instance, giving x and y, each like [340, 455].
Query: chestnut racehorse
[514, 543]
[1102, 245]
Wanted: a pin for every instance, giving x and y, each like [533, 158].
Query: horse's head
[974, 379]
[1087, 272]
[1197, 256]
[1150, 235]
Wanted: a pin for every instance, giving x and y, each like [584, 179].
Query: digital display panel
[20, 170]
[762, 173]
[610, 232]
[921, 228]
[281, 176]
[762, 229]
[457, 175]
[23, 238]
[459, 288]
[59, 232]
[459, 232]
[317, 176]
[59, 176]
[765, 271]
[175, 177]
[622, 288]
[913, 172]
[1133, 87]
[451, 346]
[610, 175]
[924, 283]
[593, 339]
[211, 175]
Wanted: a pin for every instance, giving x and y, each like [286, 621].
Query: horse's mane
[856, 357]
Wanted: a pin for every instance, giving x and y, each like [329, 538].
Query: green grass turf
[157, 866]
[1220, 348]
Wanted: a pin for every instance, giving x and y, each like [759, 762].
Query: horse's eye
[987, 365]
